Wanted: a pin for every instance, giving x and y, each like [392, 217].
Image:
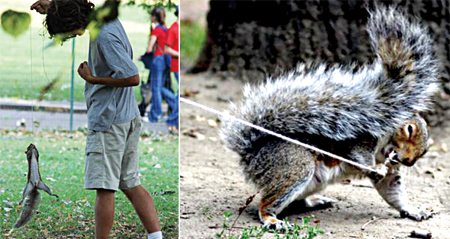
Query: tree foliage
[149, 5]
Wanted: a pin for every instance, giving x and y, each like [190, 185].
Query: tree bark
[251, 40]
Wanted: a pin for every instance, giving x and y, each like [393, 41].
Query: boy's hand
[85, 72]
[41, 6]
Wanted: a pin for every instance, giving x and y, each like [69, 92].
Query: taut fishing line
[43, 58]
[31, 77]
[211, 110]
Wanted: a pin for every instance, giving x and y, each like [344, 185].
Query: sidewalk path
[49, 115]
[48, 106]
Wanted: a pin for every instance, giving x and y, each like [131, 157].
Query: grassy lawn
[26, 67]
[62, 160]
[192, 38]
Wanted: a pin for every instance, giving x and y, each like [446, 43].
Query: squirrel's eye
[409, 129]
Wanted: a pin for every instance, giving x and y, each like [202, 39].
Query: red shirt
[161, 37]
[173, 42]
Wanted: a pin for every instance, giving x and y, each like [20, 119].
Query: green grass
[26, 68]
[192, 37]
[72, 215]
[299, 230]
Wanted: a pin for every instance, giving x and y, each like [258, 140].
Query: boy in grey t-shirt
[113, 115]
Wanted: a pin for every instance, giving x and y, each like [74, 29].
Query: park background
[29, 114]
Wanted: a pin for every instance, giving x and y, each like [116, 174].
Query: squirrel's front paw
[380, 171]
[417, 216]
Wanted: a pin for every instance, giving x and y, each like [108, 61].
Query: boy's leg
[130, 183]
[104, 213]
[144, 206]
[104, 153]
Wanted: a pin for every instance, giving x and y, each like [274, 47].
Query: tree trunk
[252, 39]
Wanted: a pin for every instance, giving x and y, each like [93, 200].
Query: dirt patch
[212, 182]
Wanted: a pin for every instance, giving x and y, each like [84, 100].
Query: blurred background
[193, 30]
[34, 70]
[250, 40]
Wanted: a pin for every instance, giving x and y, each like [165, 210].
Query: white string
[276, 134]
[43, 59]
[31, 75]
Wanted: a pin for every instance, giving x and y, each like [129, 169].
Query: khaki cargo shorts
[112, 157]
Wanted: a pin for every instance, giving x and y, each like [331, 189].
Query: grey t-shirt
[110, 54]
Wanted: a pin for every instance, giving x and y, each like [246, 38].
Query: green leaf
[15, 23]
[306, 220]
[227, 214]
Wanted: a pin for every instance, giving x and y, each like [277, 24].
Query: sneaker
[173, 130]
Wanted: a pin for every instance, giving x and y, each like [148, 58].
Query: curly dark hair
[67, 16]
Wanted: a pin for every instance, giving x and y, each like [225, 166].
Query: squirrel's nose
[408, 163]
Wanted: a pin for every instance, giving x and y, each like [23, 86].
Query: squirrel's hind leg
[274, 201]
[46, 189]
[28, 188]
[284, 174]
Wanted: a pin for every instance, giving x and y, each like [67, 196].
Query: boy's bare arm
[85, 73]
[41, 6]
[171, 51]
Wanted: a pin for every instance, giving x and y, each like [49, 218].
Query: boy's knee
[105, 193]
[130, 191]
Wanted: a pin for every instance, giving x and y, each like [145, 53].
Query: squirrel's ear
[410, 130]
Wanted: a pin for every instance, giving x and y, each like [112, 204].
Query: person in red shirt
[158, 34]
[172, 49]
[160, 63]
[172, 46]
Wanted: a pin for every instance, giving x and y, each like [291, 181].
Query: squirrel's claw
[277, 225]
[271, 222]
[417, 216]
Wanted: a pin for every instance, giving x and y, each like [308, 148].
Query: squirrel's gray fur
[368, 115]
[31, 204]
[31, 195]
[344, 104]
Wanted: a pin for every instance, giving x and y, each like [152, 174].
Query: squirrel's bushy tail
[339, 103]
[403, 46]
[31, 204]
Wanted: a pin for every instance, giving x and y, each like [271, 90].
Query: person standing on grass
[113, 117]
[172, 48]
[156, 44]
